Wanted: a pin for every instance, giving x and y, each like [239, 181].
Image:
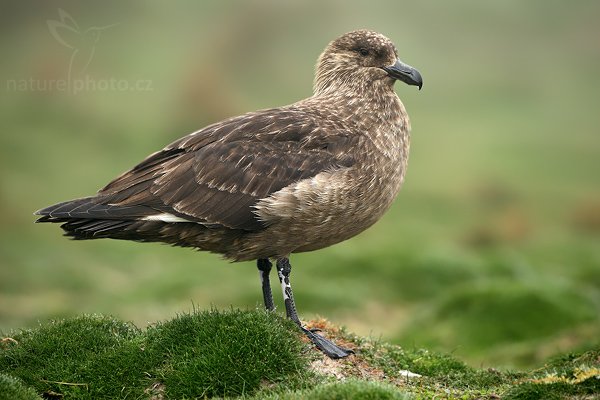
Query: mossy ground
[255, 354]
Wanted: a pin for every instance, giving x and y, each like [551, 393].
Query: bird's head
[361, 59]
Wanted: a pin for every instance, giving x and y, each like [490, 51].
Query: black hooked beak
[405, 73]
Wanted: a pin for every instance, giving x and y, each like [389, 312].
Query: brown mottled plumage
[273, 182]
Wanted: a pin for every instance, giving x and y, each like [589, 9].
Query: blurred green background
[491, 251]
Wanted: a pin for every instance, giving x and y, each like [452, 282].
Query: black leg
[326, 346]
[264, 268]
[283, 271]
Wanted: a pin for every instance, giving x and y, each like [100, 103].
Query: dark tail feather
[63, 210]
[92, 208]
[84, 229]
[89, 218]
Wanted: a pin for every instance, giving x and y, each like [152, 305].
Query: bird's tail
[95, 218]
[90, 218]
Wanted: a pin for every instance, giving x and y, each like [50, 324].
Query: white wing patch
[166, 217]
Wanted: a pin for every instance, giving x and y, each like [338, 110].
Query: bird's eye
[363, 52]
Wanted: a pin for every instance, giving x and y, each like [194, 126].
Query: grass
[82, 357]
[12, 388]
[225, 353]
[256, 355]
[351, 389]
[201, 354]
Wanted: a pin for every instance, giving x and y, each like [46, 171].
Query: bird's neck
[360, 99]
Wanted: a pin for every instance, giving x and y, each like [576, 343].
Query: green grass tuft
[12, 388]
[572, 363]
[347, 390]
[84, 357]
[201, 354]
[574, 375]
[437, 368]
[230, 353]
[589, 389]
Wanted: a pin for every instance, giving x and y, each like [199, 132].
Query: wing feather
[215, 176]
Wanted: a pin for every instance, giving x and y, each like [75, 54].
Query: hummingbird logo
[82, 42]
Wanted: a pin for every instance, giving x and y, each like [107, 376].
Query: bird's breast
[338, 204]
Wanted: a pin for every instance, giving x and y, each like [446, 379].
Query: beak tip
[405, 73]
[418, 79]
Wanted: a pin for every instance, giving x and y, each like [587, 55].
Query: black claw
[330, 349]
